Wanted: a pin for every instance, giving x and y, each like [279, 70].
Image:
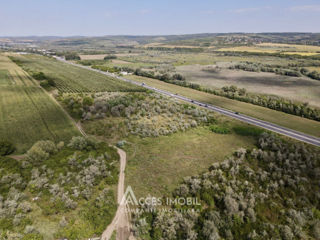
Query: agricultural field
[70, 78]
[300, 89]
[303, 50]
[290, 121]
[28, 114]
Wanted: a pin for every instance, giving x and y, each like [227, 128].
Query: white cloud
[306, 8]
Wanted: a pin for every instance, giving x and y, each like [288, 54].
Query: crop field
[286, 120]
[291, 47]
[205, 58]
[70, 78]
[27, 113]
[300, 89]
[303, 50]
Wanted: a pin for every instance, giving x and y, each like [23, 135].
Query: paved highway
[257, 122]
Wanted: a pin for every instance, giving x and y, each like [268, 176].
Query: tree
[109, 57]
[6, 148]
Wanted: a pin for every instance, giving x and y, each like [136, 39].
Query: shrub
[39, 76]
[37, 155]
[248, 131]
[47, 146]
[219, 129]
[108, 57]
[41, 151]
[6, 148]
[78, 143]
[72, 56]
[81, 143]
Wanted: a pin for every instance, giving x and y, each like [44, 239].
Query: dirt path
[120, 222]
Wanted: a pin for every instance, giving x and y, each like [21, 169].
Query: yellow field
[317, 69]
[295, 47]
[93, 57]
[247, 49]
[290, 49]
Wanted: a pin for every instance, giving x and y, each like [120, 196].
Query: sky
[151, 17]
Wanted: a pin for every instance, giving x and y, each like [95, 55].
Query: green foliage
[81, 143]
[72, 56]
[248, 131]
[87, 101]
[39, 76]
[99, 212]
[6, 148]
[32, 236]
[219, 129]
[109, 57]
[41, 151]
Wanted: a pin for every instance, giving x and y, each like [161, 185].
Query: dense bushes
[45, 81]
[143, 114]
[39, 76]
[311, 74]
[6, 148]
[56, 180]
[81, 143]
[162, 77]
[71, 56]
[270, 192]
[110, 57]
[258, 67]
[41, 151]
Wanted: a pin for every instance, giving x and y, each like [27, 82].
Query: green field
[69, 78]
[27, 113]
[157, 165]
[286, 120]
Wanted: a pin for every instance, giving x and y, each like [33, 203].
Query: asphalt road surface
[257, 122]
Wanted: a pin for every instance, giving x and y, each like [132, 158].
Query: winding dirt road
[120, 222]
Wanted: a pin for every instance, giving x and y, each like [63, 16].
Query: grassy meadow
[157, 165]
[27, 113]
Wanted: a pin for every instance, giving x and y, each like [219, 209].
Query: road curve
[254, 121]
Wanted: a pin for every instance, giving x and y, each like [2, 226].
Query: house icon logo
[129, 197]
